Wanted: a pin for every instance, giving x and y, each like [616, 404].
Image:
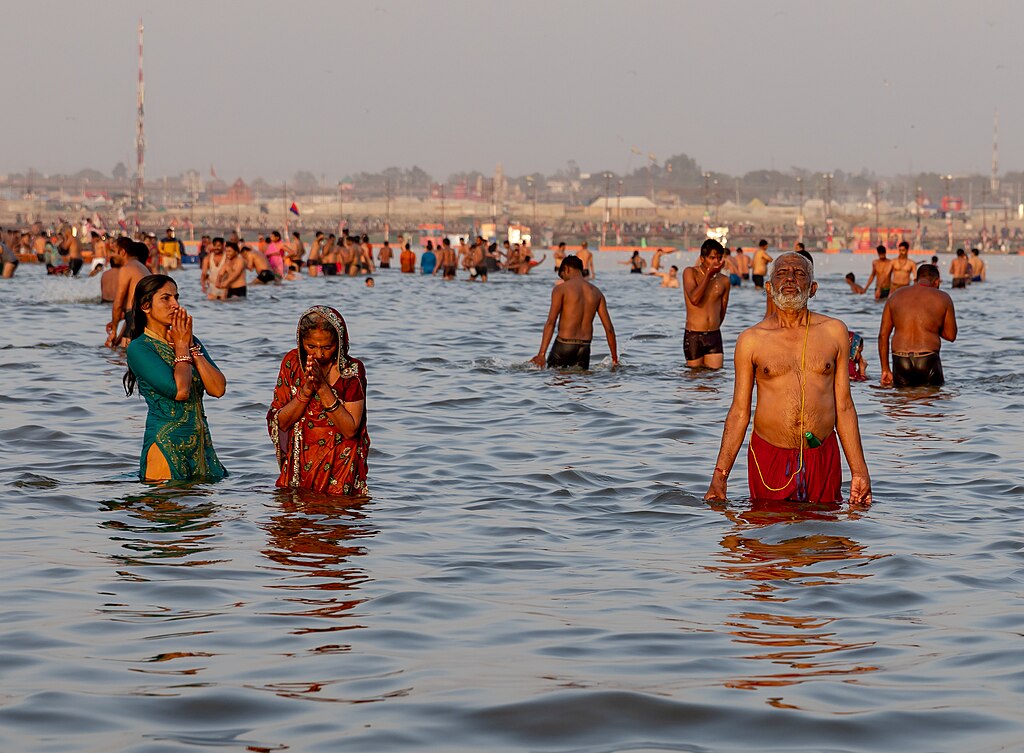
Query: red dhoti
[820, 479]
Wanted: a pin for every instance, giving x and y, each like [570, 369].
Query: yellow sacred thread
[803, 393]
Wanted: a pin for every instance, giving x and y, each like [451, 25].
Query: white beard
[790, 302]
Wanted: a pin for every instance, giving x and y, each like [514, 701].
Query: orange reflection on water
[312, 541]
[798, 648]
[165, 527]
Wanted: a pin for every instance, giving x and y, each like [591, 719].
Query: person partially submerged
[317, 419]
[798, 360]
[574, 304]
[918, 318]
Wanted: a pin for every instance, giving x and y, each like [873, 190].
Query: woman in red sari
[317, 420]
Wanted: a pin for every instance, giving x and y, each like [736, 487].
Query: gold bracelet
[334, 407]
[183, 359]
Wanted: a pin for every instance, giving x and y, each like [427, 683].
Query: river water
[536, 569]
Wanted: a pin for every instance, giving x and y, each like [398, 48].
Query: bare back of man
[574, 304]
[128, 277]
[918, 318]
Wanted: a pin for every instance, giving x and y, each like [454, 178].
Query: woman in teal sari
[172, 370]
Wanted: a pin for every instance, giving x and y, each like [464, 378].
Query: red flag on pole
[213, 173]
[294, 209]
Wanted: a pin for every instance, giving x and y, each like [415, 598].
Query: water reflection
[312, 540]
[167, 526]
[799, 647]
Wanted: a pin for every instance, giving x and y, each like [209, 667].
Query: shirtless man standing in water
[759, 265]
[919, 318]
[798, 359]
[881, 270]
[574, 304]
[707, 297]
[587, 258]
[902, 268]
[70, 244]
[656, 262]
[136, 254]
[447, 263]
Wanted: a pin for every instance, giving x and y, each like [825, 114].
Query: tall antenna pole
[994, 185]
[140, 135]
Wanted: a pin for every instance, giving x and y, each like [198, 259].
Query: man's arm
[725, 301]
[738, 418]
[949, 328]
[609, 330]
[118, 307]
[867, 285]
[549, 326]
[884, 332]
[847, 426]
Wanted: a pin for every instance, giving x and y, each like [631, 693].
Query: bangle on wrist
[195, 350]
[332, 408]
[183, 359]
[724, 473]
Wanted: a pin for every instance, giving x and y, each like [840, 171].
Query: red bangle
[719, 470]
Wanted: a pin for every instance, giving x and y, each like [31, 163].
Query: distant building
[631, 207]
[239, 193]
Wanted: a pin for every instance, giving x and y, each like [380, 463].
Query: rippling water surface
[536, 569]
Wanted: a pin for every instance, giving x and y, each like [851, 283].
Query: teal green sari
[178, 428]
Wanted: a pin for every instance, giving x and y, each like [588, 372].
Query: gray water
[536, 569]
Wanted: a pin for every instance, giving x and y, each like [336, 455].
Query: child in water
[858, 365]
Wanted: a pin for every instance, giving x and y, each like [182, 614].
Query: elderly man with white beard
[798, 359]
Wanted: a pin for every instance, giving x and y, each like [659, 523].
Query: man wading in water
[798, 360]
[574, 304]
[922, 316]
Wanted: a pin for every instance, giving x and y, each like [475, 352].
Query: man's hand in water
[538, 360]
[717, 489]
[860, 491]
[886, 379]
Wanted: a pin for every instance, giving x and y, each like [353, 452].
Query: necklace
[155, 336]
[803, 393]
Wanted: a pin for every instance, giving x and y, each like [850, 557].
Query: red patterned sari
[312, 453]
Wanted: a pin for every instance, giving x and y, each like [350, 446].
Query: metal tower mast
[140, 134]
[994, 185]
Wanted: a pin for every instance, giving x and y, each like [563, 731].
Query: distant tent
[755, 204]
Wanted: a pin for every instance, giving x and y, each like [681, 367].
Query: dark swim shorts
[265, 276]
[696, 345]
[758, 281]
[565, 354]
[239, 292]
[917, 370]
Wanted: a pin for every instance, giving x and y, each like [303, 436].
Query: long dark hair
[145, 289]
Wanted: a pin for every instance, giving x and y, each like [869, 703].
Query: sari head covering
[348, 367]
[312, 452]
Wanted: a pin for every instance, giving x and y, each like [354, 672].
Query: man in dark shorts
[759, 264]
[477, 262]
[918, 317]
[960, 269]
[881, 270]
[574, 304]
[232, 272]
[707, 297]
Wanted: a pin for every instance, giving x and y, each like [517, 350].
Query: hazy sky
[267, 87]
